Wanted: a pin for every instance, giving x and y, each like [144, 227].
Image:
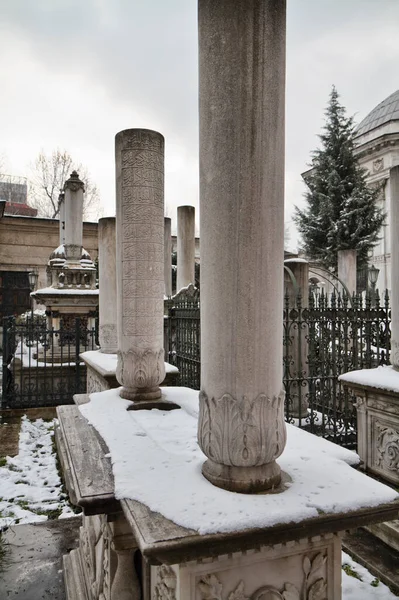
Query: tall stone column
[73, 207]
[139, 157]
[61, 201]
[185, 246]
[107, 285]
[347, 268]
[394, 184]
[241, 77]
[168, 255]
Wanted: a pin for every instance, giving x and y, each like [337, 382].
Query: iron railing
[323, 338]
[41, 366]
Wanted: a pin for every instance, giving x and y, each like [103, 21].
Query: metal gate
[41, 366]
[185, 337]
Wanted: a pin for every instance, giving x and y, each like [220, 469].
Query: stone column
[139, 157]
[168, 255]
[107, 285]
[347, 267]
[74, 191]
[394, 183]
[297, 348]
[185, 246]
[61, 200]
[241, 77]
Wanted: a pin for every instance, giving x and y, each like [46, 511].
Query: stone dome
[386, 111]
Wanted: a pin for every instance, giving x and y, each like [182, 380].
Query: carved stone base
[141, 394]
[305, 570]
[246, 480]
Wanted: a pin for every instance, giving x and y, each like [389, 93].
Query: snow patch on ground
[362, 589]
[156, 460]
[30, 486]
[383, 377]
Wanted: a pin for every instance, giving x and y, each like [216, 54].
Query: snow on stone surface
[156, 460]
[65, 291]
[30, 485]
[383, 377]
[361, 589]
[107, 362]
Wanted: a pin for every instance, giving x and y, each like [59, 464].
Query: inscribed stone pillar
[107, 285]
[394, 183]
[241, 76]
[185, 246]
[347, 267]
[296, 335]
[168, 256]
[139, 156]
[61, 201]
[74, 191]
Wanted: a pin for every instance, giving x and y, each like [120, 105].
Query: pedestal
[295, 559]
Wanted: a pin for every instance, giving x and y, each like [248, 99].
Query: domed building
[377, 149]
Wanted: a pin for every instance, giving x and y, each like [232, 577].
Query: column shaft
[139, 157]
[74, 195]
[168, 256]
[241, 77]
[107, 285]
[185, 246]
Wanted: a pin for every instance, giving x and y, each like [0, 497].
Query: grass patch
[351, 571]
[375, 582]
[3, 461]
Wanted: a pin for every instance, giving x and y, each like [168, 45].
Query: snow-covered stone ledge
[377, 403]
[145, 490]
[101, 371]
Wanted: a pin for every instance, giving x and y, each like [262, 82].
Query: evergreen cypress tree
[342, 211]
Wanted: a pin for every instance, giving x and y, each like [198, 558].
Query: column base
[245, 480]
[141, 394]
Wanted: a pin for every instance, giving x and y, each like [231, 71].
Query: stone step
[381, 560]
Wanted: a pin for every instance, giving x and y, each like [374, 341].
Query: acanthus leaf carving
[138, 369]
[166, 584]
[240, 431]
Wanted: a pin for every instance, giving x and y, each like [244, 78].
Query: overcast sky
[75, 72]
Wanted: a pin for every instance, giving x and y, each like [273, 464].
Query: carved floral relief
[314, 586]
[387, 446]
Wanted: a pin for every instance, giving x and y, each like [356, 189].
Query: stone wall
[26, 243]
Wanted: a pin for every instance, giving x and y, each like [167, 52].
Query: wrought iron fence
[184, 336]
[323, 337]
[41, 366]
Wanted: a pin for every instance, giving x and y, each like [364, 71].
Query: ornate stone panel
[385, 448]
[309, 569]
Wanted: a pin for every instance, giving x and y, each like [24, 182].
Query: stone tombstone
[241, 425]
[139, 156]
[347, 267]
[73, 210]
[185, 247]
[168, 256]
[107, 285]
[394, 182]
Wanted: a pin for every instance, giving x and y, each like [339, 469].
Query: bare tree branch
[49, 173]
